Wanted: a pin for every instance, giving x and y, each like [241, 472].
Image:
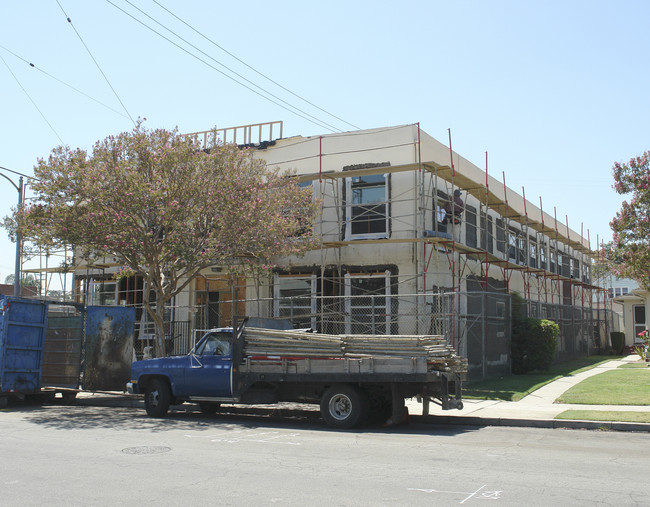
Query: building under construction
[415, 240]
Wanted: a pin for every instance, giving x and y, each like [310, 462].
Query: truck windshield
[214, 344]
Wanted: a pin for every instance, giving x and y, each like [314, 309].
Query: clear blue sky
[554, 91]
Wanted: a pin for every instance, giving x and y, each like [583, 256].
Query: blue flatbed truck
[349, 390]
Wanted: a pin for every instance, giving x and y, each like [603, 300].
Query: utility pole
[19, 238]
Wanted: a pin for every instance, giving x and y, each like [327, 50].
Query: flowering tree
[165, 208]
[631, 225]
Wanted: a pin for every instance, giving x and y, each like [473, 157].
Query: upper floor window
[487, 234]
[470, 226]
[542, 256]
[367, 208]
[532, 253]
[501, 236]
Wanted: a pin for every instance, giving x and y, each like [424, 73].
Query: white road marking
[470, 496]
[485, 495]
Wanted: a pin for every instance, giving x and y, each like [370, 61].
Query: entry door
[639, 321]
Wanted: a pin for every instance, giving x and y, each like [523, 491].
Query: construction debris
[439, 354]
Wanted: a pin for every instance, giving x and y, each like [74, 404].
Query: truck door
[208, 373]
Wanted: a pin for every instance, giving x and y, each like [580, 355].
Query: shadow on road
[187, 417]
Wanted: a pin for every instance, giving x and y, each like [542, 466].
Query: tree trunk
[159, 324]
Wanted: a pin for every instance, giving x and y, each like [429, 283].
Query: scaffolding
[551, 261]
[475, 259]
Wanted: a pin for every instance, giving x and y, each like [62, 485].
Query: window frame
[348, 299]
[349, 206]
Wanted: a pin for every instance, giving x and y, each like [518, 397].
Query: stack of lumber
[439, 354]
[271, 342]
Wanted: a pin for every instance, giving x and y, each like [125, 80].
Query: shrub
[618, 342]
[533, 341]
[542, 343]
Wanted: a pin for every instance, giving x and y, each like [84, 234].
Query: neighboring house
[620, 286]
[397, 257]
[25, 290]
[636, 308]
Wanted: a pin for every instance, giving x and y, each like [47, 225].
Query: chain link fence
[476, 324]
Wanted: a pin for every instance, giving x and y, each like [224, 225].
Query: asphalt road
[82, 455]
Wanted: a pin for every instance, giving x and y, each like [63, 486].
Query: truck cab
[204, 375]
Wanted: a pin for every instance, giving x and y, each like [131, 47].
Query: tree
[26, 280]
[165, 208]
[631, 225]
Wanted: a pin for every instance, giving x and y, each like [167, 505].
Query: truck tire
[342, 406]
[157, 398]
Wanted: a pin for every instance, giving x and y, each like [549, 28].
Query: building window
[440, 213]
[521, 249]
[367, 207]
[501, 236]
[487, 234]
[532, 253]
[574, 268]
[553, 261]
[542, 256]
[470, 226]
[512, 245]
[565, 262]
[367, 303]
[295, 299]
[516, 246]
[619, 291]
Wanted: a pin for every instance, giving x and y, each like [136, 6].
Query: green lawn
[515, 387]
[605, 415]
[635, 365]
[629, 386]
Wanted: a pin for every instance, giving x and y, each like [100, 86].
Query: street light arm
[11, 181]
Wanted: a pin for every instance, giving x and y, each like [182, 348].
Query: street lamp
[19, 238]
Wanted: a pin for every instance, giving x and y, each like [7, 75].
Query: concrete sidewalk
[538, 408]
[535, 410]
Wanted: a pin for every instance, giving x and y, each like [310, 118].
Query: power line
[97, 64]
[62, 82]
[253, 69]
[231, 70]
[32, 100]
[214, 68]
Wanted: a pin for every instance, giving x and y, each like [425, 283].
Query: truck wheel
[342, 406]
[3, 401]
[209, 408]
[157, 398]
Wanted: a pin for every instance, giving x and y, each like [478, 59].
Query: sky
[554, 91]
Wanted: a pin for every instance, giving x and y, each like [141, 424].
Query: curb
[536, 423]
